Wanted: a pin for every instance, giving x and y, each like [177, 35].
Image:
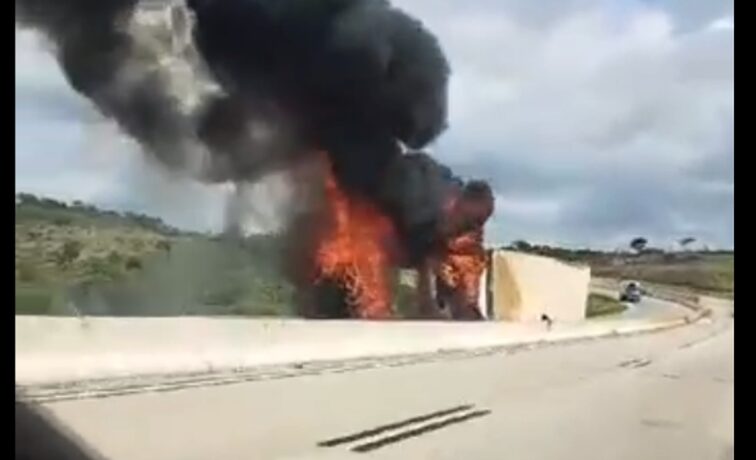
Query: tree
[69, 252]
[638, 244]
[51, 203]
[684, 242]
[521, 245]
[27, 198]
[133, 263]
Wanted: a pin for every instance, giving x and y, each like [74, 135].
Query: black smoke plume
[358, 79]
[101, 61]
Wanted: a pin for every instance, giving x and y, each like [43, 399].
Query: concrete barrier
[70, 349]
[51, 350]
[526, 286]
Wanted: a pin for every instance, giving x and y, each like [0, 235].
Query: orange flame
[353, 251]
[462, 266]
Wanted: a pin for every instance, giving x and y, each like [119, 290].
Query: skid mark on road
[377, 444]
[635, 363]
[417, 426]
[392, 426]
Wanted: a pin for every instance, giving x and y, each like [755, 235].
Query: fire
[354, 251]
[463, 257]
[461, 267]
[358, 248]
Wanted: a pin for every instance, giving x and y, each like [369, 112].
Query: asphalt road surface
[649, 307]
[658, 396]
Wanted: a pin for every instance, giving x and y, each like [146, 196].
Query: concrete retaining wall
[54, 350]
[526, 286]
[49, 348]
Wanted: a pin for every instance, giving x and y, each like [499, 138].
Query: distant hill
[30, 208]
[703, 272]
[708, 272]
[78, 259]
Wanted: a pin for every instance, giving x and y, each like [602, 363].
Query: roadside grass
[102, 263]
[700, 272]
[600, 305]
[708, 274]
[96, 262]
[33, 300]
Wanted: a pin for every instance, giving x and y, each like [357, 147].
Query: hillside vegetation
[712, 274]
[77, 259]
[705, 272]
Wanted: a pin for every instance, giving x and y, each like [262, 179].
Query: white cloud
[606, 110]
[725, 23]
[527, 208]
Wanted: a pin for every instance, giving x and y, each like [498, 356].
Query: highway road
[657, 396]
[649, 307]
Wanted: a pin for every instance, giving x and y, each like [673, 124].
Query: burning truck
[342, 96]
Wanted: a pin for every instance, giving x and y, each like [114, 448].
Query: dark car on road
[632, 292]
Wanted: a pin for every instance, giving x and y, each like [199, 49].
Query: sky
[595, 121]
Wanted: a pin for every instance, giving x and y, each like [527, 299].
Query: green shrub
[33, 301]
[68, 253]
[599, 304]
[133, 263]
[27, 272]
[115, 257]
[103, 269]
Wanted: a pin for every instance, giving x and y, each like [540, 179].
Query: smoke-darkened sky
[594, 120]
